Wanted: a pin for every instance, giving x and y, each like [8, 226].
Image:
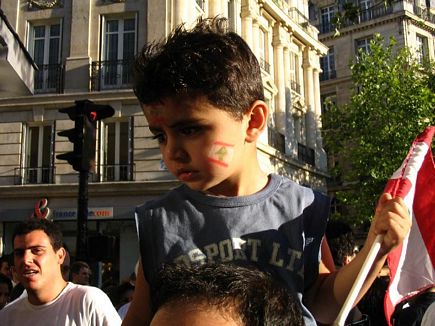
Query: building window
[305, 153]
[327, 63]
[116, 150]
[327, 14]
[234, 15]
[365, 9]
[362, 45]
[421, 52]
[200, 7]
[294, 73]
[263, 50]
[118, 51]
[45, 48]
[39, 150]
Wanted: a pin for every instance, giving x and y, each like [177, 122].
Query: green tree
[392, 102]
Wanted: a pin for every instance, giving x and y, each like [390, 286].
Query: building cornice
[63, 100]
[371, 24]
[143, 188]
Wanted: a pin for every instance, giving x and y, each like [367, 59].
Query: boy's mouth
[185, 175]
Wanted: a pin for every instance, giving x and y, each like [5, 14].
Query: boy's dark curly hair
[204, 61]
[238, 291]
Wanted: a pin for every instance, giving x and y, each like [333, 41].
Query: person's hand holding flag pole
[414, 181]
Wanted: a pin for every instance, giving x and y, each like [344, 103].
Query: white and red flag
[412, 263]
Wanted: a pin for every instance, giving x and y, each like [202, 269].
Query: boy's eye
[187, 131]
[160, 138]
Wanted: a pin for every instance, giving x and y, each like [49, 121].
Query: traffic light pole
[82, 159]
[82, 217]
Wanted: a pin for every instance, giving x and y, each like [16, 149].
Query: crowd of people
[233, 244]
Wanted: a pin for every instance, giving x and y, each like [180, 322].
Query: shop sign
[94, 213]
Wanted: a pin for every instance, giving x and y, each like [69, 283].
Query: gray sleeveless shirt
[279, 229]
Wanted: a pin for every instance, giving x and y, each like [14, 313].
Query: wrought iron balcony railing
[298, 17]
[327, 75]
[115, 172]
[32, 175]
[49, 79]
[364, 15]
[111, 75]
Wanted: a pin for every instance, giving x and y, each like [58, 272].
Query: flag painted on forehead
[221, 153]
[412, 263]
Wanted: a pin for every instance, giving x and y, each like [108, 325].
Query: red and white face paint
[221, 153]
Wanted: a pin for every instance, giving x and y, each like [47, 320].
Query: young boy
[202, 94]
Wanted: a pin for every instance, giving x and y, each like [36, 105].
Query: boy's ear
[257, 120]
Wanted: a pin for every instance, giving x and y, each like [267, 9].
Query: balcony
[32, 175]
[306, 154]
[115, 172]
[49, 79]
[364, 15]
[326, 27]
[374, 12]
[299, 18]
[111, 75]
[424, 13]
[327, 75]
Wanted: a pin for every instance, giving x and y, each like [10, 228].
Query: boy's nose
[175, 151]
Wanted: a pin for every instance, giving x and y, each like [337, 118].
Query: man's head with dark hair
[6, 261]
[51, 229]
[342, 242]
[38, 257]
[80, 272]
[204, 61]
[239, 294]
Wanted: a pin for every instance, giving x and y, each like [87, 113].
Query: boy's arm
[327, 295]
[139, 312]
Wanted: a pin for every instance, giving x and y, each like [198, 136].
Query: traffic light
[83, 136]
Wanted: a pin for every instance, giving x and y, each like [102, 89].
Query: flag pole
[356, 287]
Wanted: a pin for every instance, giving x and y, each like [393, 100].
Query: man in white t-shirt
[49, 299]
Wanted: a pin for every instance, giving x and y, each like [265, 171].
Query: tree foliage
[393, 101]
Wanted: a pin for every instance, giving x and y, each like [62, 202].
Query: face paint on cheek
[221, 153]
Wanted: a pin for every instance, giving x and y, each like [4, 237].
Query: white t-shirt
[76, 305]
[122, 311]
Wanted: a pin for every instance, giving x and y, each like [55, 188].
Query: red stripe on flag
[424, 204]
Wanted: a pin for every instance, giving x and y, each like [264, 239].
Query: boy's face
[201, 145]
[36, 263]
